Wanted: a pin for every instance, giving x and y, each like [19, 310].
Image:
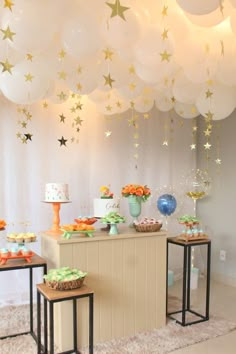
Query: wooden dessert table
[128, 275]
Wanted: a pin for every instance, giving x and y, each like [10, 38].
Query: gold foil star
[136, 136]
[208, 93]
[8, 4]
[165, 56]
[23, 124]
[78, 120]
[79, 87]
[117, 9]
[218, 161]
[132, 104]
[209, 116]
[28, 77]
[132, 86]
[28, 115]
[165, 143]
[62, 118]
[207, 132]
[193, 146]
[164, 11]
[62, 54]
[62, 96]
[136, 156]
[132, 69]
[8, 34]
[195, 128]
[62, 141]
[79, 69]
[207, 146]
[146, 116]
[107, 133]
[108, 54]
[165, 34]
[118, 104]
[108, 108]
[136, 145]
[29, 57]
[18, 135]
[61, 75]
[6, 66]
[45, 104]
[108, 80]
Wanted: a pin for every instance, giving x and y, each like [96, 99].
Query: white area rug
[161, 341]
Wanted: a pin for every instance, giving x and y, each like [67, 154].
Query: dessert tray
[8, 256]
[192, 238]
[68, 234]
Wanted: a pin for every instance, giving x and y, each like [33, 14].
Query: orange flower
[137, 190]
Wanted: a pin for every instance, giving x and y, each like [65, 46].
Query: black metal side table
[186, 292]
[20, 264]
[53, 296]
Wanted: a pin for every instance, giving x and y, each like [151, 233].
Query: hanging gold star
[78, 120]
[18, 135]
[28, 116]
[136, 145]
[79, 69]
[165, 34]
[132, 69]
[209, 116]
[194, 128]
[173, 100]
[62, 96]
[136, 156]
[61, 75]
[108, 133]
[165, 56]
[136, 135]
[132, 86]
[6, 66]
[23, 140]
[28, 136]
[218, 161]
[117, 9]
[164, 11]
[108, 54]
[208, 93]
[62, 54]
[207, 146]
[23, 124]
[79, 87]
[118, 104]
[132, 104]
[79, 106]
[29, 57]
[28, 77]
[108, 108]
[207, 132]
[62, 141]
[146, 116]
[165, 143]
[108, 80]
[8, 4]
[8, 34]
[193, 146]
[45, 104]
[62, 118]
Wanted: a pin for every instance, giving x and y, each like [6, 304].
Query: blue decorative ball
[166, 204]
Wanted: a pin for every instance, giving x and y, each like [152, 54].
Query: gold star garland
[77, 121]
[117, 9]
[218, 160]
[133, 123]
[193, 145]
[25, 136]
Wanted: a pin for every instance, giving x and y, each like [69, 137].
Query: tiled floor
[222, 303]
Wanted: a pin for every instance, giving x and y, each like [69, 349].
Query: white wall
[218, 209]
[94, 161]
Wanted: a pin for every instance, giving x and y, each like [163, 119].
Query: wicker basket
[65, 285]
[148, 227]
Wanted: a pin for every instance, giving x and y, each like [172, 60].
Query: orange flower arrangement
[136, 190]
[2, 224]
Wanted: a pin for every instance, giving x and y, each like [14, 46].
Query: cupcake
[14, 251]
[25, 251]
[20, 238]
[12, 237]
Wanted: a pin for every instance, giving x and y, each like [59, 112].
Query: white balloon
[226, 72]
[31, 21]
[143, 103]
[27, 83]
[60, 94]
[81, 36]
[133, 88]
[186, 110]
[163, 102]
[221, 103]
[185, 90]
[199, 7]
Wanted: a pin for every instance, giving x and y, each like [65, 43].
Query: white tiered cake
[56, 192]
[101, 207]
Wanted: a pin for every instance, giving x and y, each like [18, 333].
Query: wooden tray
[8, 256]
[193, 238]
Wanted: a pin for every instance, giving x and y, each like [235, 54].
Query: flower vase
[113, 229]
[135, 207]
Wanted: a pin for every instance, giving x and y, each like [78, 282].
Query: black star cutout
[62, 141]
[62, 118]
[28, 136]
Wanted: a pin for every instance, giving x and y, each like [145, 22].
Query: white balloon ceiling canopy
[172, 54]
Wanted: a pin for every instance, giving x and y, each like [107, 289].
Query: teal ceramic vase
[135, 206]
[113, 229]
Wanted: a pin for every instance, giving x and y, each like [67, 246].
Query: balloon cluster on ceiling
[121, 53]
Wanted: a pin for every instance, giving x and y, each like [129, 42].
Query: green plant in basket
[112, 218]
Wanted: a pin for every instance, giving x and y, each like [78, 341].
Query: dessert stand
[56, 229]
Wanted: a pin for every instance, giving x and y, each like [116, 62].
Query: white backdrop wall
[95, 161]
[218, 209]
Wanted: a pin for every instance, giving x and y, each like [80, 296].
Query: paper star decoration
[218, 161]
[117, 9]
[6, 66]
[62, 54]
[78, 121]
[28, 77]
[62, 96]
[8, 4]
[108, 80]
[29, 57]
[62, 141]
[164, 11]
[108, 54]
[8, 34]
[165, 34]
[107, 133]
[28, 136]
[61, 75]
[209, 93]
[165, 56]
[193, 146]
[165, 143]
[62, 118]
[132, 69]
[207, 146]
[45, 104]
